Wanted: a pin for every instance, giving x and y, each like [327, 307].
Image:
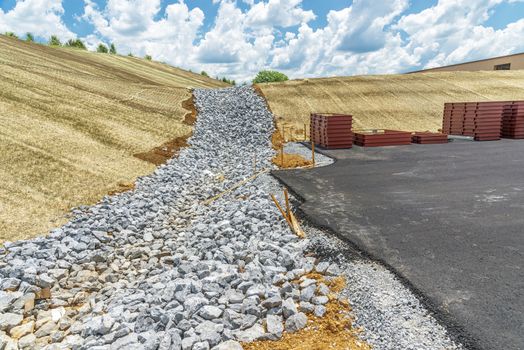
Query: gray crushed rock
[391, 315]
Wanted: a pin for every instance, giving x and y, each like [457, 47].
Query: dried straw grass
[70, 123]
[411, 102]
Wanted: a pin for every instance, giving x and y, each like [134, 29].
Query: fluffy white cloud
[360, 28]
[39, 17]
[132, 26]
[453, 31]
[352, 35]
[282, 13]
[225, 42]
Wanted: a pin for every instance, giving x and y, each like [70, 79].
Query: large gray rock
[289, 308]
[9, 320]
[229, 345]
[296, 322]
[274, 326]
[210, 312]
[27, 341]
[251, 334]
[124, 343]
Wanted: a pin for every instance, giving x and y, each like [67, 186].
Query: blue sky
[303, 38]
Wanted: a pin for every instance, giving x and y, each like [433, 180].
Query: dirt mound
[190, 117]
[291, 161]
[333, 331]
[159, 155]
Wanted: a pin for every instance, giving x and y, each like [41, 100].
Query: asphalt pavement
[448, 219]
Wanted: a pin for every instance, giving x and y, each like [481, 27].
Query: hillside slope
[411, 102]
[70, 123]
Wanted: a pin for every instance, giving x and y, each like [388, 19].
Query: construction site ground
[446, 218]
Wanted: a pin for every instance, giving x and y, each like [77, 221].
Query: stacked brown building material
[429, 138]
[378, 138]
[331, 130]
[513, 120]
[481, 120]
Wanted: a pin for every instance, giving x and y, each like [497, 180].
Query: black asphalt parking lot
[448, 219]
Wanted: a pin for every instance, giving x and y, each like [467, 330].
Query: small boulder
[274, 326]
[289, 308]
[228, 345]
[296, 322]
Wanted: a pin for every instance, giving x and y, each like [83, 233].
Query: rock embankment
[155, 268]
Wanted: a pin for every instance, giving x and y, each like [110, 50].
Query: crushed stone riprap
[155, 268]
[390, 314]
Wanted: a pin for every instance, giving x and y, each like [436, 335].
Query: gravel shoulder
[391, 315]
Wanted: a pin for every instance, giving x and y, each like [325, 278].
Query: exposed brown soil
[291, 161]
[190, 117]
[277, 140]
[122, 187]
[159, 155]
[333, 331]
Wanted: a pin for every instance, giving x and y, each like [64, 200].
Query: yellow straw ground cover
[71, 122]
[411, 102]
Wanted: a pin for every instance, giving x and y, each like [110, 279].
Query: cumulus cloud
[360, 28]
[226, 40]
[282, 13]
[453, 31]
[42, 18]
[133, 27]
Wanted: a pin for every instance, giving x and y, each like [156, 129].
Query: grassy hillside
[412, 102]
[71, 122]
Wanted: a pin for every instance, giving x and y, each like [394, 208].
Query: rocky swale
[155, 268]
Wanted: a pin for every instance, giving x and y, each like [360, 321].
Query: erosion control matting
[448, 219]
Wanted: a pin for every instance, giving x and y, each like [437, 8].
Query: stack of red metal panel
[330, 130]
[482, 120]
[513, 120]
[429, 138]
[378, 138]
[453, 123]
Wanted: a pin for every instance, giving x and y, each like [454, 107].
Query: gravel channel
[161, 268]
[157, 268]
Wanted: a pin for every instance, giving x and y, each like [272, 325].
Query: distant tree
[102, 48]
[130, 54]
[54, 41]
[77, 43]
[11, 34]
[204, 73]
[269, 76]
[228, 81]
[112, 49]
[29, 37]
[148, 57]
